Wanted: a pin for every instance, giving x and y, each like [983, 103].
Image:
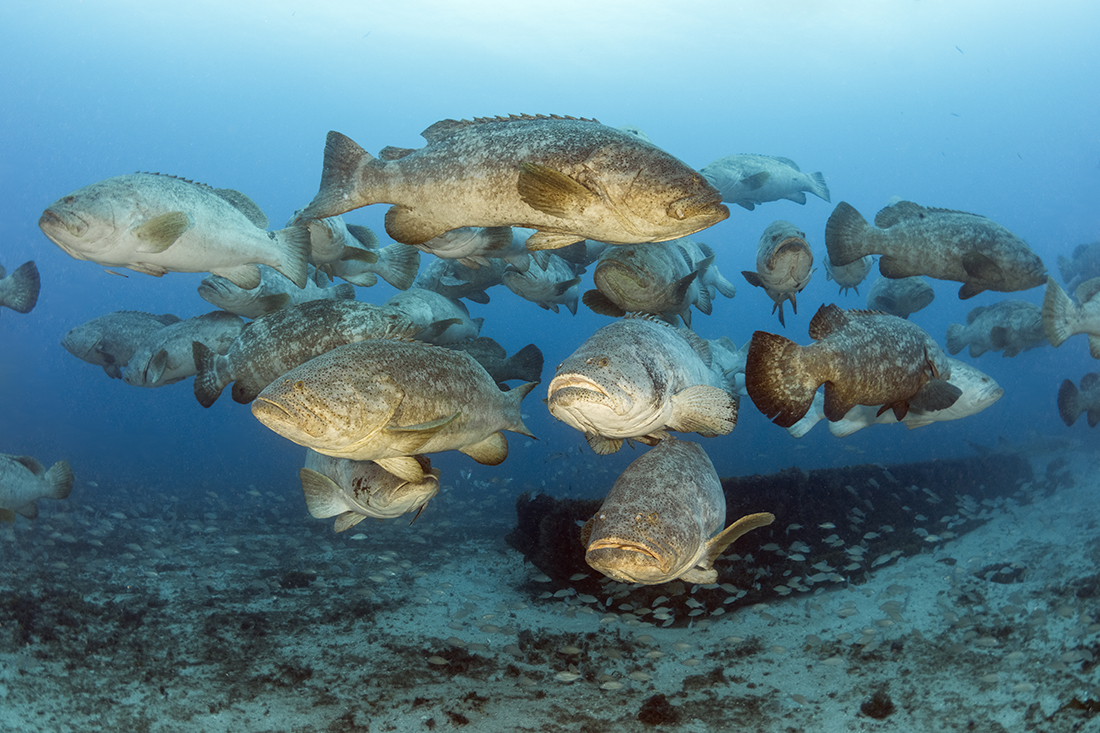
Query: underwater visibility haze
[182, 583]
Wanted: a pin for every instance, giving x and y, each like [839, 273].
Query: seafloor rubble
[240, 613]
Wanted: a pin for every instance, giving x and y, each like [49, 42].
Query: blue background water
[984, 107]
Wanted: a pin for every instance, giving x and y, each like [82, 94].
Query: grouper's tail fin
[526, 363]
[776, 379]
[512, 399]
[845, 235]
[818, 187]
[60, 480]
[1059, 314]
[341, 175]
[23, 286]
[397, 264]
[208, 383]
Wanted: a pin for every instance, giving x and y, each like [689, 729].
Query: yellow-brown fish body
[862, 358]
[784, 264]
[385, 400]
[351, 490]
[661, 519]
[646, 278]
[939, 243]
[570, 179]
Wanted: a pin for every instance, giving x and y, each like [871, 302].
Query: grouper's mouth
[54, 222]
[573, 389]
[282, 420]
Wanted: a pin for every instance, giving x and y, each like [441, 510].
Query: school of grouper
[531, 202]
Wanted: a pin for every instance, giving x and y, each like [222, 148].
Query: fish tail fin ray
[323, 497]
[208, 383]
[512, 400]
[397, 264]
[295, 248]
[1069, 407]
[527, 363]
[846, 233]
[1059, 314]
[955, 341]
[777, 379]
[24, 284]
[60, 480]
[344, 168]
[818, 187]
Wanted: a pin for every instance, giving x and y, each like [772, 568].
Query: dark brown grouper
[271, 346]
[1072, 401]
[568, 178]
[386, 401]
[862, 358]
[155, 224]
[661, 519]
[939, 243]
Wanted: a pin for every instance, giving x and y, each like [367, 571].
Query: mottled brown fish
[661, 519]
[1010, 326]
[1072, 401]
[900, 297]
[569, 178]
[386, 401]
[784, 264]
[273, 345]
[862, 358]
[938, 243]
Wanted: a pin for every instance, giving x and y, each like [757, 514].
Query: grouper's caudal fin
[294, 250]
[512, 398]
[846, 233]
[208, 383]
[23, 286]
[776, 379]
[1059, 314]
[345, 168]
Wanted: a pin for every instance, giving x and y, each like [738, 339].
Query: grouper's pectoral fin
[704, 572]
[601, 445]
[489, 452]
[161, 232]
[702, 408]
[551, 240]
[552, 192]
[404, 467]
[409, 439]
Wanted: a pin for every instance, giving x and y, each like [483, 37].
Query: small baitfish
[662, 517]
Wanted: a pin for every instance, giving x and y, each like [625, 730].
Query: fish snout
[54, 222]
[708, 205]
[628, 562]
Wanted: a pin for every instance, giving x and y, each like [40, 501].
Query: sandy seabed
[247, 615]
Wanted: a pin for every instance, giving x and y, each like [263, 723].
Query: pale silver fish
[475, 246]
[351, 491]
[571, 179]
[661, 519]
[862, 358]
[938, 243]
[900, 297]
[386, 401]
[442, 320]
[636, 379]
[271, 346]
[154, 224]
[1010, 326]
[784, 264]
[19, 290]
[1063, 318]
[1073, 401]
[273, 293]
[849, 276]
[548, 282]
[109, 341]
[749, 180]
[167, 355]
[978, 391]
[455, 280]
[23, 481]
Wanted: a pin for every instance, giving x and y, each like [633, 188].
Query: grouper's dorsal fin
[445, 128]
[908, 211]
[829, 318]
[245, 205]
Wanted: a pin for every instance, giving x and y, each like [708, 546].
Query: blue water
[986, 107]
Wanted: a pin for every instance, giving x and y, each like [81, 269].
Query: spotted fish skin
[638, 378]
[862, 358]
[384, 399]
[660, 520]
[274, 344]
[939, 243]
[570, 179]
